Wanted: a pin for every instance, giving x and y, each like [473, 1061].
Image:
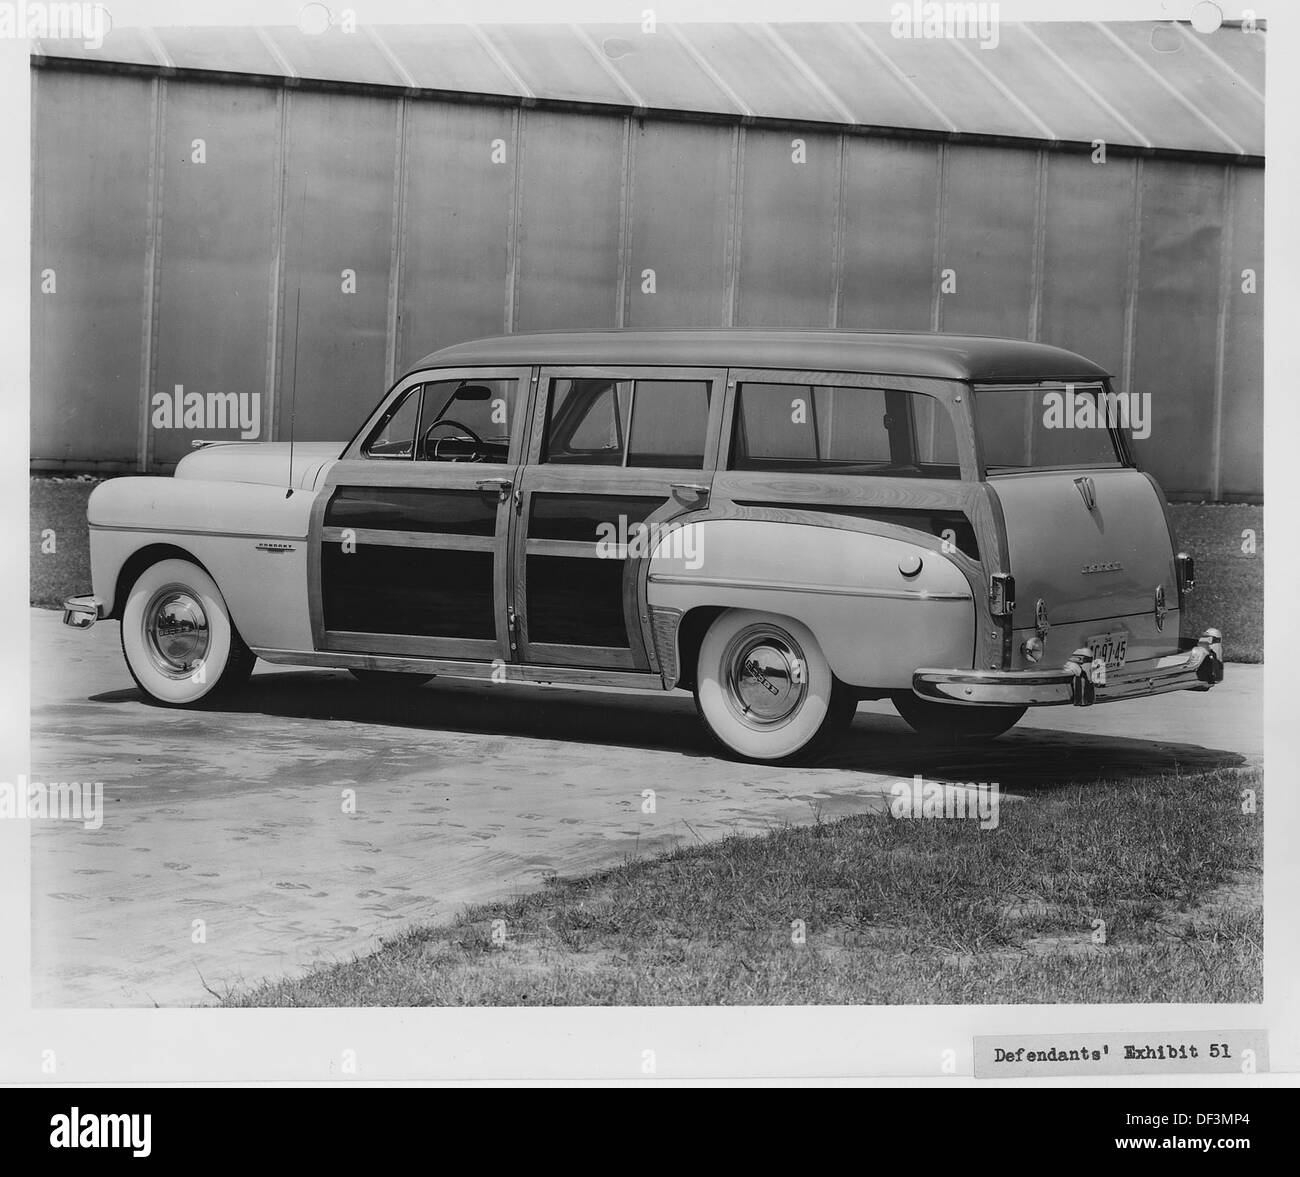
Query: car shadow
[1024, 760]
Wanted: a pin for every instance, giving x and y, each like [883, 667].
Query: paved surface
[464, 792]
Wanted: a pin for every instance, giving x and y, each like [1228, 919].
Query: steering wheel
[479, 444]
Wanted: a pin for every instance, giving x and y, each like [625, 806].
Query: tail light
[1186, 569]
[1002, 594]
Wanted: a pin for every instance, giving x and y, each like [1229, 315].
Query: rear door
[614, 454]
[410, 533]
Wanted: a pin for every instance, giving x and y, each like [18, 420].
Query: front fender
[875, 618]
[251, 538]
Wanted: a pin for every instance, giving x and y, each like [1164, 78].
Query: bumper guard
[82, 612]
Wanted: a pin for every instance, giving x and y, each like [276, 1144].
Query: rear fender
[875, 622]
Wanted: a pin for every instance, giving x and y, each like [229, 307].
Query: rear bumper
[82, 612]
[1080, 682]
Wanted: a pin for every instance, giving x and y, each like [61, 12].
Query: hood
[264, 462]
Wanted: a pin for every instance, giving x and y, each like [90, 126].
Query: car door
[614, 454]
[411, 530]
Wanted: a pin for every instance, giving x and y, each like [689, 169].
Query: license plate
[1111, 648]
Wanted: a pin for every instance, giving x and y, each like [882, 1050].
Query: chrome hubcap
[767, 675]
[175, 631]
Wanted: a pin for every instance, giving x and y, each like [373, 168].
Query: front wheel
[178, 639]
[765, 689]
[953, 723]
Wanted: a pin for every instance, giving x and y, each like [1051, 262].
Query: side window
[466, 420]
[609, 422]
[670, 422]
[394, 436]
[832, 429]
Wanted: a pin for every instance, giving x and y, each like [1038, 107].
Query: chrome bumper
[82, 612]
[1081, 682]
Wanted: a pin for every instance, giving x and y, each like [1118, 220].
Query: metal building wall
[463, 218]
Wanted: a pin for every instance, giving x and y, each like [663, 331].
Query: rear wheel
[406, 680]
[954, 723]
[178, 639]
[765, 689]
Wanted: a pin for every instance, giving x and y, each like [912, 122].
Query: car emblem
[1160, 606]
[1040, 618]
[1107, 566]
[1088, 489]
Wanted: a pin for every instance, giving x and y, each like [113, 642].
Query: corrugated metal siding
[466, 218]
[458, 209]
[216, 249]
[91, 227]
[338, 206]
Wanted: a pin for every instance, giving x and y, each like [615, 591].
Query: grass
[1229, 582]
[896, 912]
[58, 504]
[1229, 593]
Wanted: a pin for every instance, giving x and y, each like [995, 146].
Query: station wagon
[781, 522]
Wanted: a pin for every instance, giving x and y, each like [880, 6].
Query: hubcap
[767, 675]
[175, 631]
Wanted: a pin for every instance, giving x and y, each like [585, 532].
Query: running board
[460, 668]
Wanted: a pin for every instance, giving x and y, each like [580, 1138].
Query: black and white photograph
[668, 513]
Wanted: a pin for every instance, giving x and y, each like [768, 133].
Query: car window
[394, 436]
[466, 420]
[1019, 431]
[612, 422]
[834, 429]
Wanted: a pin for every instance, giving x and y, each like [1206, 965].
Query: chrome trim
[792, 587]
[511, 672]
[192, 531]
[82, 612]
[1080, 682]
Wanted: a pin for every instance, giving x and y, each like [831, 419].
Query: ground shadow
[1024, 760]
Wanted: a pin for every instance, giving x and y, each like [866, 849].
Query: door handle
[699, 490]
[500, 485]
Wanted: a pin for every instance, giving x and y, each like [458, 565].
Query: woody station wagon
[783, 522]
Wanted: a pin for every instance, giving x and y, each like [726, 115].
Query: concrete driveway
[463, 792]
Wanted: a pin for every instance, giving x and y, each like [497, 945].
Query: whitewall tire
[177, 636]
[765, 689]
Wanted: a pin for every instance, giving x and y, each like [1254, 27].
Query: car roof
[978, 358]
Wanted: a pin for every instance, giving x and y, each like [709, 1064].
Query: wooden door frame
[358, 470]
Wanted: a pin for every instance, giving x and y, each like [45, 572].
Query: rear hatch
[1086, 533]
[1086, 564]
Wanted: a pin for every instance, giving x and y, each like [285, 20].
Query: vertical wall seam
[1134, 275]
[838, 231]
[1037, 278]
[153, 268]
[514, 231]
[940, 239]
[621, 287]
[735, 201]
[396, 241]
[1221, 336]
[274, 329]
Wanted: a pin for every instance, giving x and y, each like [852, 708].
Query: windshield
[1065, 427]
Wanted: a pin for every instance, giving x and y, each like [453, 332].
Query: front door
[410, 533]
[614, 454]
